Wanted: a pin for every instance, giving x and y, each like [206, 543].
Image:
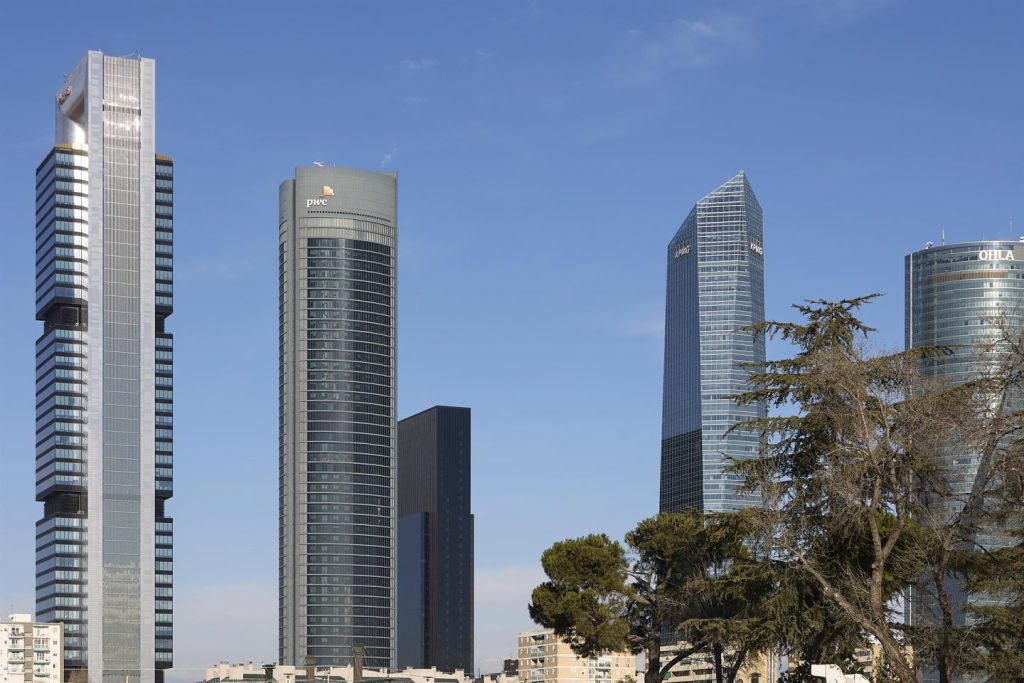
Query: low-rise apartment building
[31, 651]
[544, 658]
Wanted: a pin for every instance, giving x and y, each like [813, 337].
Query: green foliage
[838, 477]
[585, 598]
[686, 573]
[858, 508]
[999, 631]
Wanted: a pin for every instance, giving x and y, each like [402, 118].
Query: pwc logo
[328, 191]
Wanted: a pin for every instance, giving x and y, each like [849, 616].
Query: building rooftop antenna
[942, 237]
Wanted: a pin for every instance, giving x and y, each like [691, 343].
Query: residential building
[435, 540]
[31, 651]
[104, 217]
[337, 416]
[544, 658]
[715, 291]
[700, 668]
[957, 296]
[269, 673]
[830, 673]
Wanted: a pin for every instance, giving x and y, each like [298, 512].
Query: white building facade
[30, 651]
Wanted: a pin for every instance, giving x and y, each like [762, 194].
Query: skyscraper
[104, 375]
[954, 296]
[435, 540]
[715, 289]
[337, 416]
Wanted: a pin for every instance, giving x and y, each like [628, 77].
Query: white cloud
[416, 65]
[682, 44]
[693, 43]
[236, 622]
[835, 13]
[389, 156]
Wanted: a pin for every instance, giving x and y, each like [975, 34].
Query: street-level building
[435, 540]
[251, 673]
[31, 651]
[337, 416]
[700, 668]
[104, 394]
[715, 290]
[545, 658]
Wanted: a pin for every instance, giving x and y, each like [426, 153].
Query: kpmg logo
[328, 191]
[64, 94]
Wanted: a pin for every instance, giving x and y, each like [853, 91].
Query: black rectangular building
[435, 541]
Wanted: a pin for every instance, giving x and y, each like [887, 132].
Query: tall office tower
[715, 290]
[435, 540]
[954, 295]
[337, 417]
[103, 375]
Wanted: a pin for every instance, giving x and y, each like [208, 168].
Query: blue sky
[546, 152]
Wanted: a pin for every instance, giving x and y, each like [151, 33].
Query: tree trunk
[718, 664]
[653, 657]
[945, 649]
[737, 664]
[891, 647]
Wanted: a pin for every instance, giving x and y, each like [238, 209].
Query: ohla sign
[995, 255]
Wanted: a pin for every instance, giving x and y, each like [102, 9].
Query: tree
[858, 493]
[683, 575]
[803, 624]
[1000, 620]
[838, 475]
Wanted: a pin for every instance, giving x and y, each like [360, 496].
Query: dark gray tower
[104, 214]
[715, 289]
[435, 540]
[337, 416]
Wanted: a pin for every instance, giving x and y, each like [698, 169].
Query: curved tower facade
[715, 289]
[954, 292]
[337, 416]
[104, 213]
[954, 295]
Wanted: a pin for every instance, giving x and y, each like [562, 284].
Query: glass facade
[954, 294]
[103, 400]
[715, 289]
[435, 526]
[337, 400]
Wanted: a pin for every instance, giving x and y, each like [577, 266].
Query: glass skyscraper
[104, 375]
[435, 540]
[337, 416]
[954, 295]
[715, 289]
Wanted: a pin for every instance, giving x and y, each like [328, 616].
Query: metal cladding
[337, 431]
[104, 213]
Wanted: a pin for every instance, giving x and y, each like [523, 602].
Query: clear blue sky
[546, 152]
